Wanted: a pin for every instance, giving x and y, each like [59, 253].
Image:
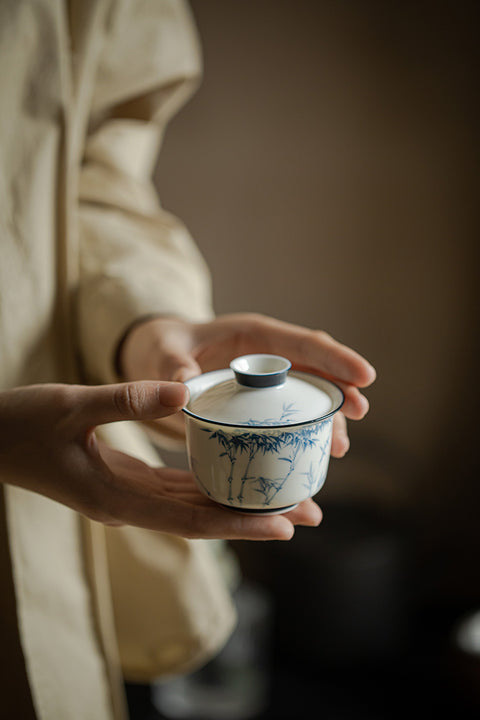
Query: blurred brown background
[328, 169]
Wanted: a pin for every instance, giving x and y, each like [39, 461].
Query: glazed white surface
[217, 397]
[260, 449]
[259, 469]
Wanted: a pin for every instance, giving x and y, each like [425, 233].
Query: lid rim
[270, 426]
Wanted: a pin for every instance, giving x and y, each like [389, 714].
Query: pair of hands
[47, 432]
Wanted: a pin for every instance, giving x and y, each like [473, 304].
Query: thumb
[142, 400]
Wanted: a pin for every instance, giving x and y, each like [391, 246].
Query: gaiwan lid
[261, 391]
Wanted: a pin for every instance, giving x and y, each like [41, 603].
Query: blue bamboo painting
[288, 415]
[289, 446]
[194, 466]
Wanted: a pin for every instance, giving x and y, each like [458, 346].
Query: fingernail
[174, 394]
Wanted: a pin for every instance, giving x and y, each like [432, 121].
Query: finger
[174, 360]
[142, 400]
[181, 368]
[201, 518]
[306, 513]
[315, 350]
[340, 439]
[356, 405]
[137, 496]
[210, 521]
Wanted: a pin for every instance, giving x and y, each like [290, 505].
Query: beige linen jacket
[86, 89]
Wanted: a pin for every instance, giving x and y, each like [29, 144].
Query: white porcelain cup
[259, 436]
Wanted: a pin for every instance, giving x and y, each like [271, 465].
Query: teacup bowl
[258, 465]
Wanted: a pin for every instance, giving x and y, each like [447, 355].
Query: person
[105, 310]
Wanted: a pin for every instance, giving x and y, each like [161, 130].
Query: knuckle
[324, 342]
[255, 321]
[249, 328]
[322, 336]
[306, 341]
[66, 399]
[68, 408]
[129, 400]
[171, 359]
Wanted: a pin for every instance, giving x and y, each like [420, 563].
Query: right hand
[48, 445]
[168, 348]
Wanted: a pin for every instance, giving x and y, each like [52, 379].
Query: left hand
[173, 349]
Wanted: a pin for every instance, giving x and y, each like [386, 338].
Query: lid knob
[260, 370]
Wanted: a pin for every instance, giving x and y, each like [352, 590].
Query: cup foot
[260, 511]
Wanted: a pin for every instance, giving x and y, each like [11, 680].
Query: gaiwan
[259, 434]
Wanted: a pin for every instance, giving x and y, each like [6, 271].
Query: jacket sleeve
[136, 259]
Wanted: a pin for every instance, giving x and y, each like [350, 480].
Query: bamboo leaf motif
[296, 442]
[316, 475]
[246, 477]
[198, 477]
[288, 411]
[233, 444]
[299, 440]
[266, 486]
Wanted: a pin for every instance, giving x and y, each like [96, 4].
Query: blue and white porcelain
[259, 434]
